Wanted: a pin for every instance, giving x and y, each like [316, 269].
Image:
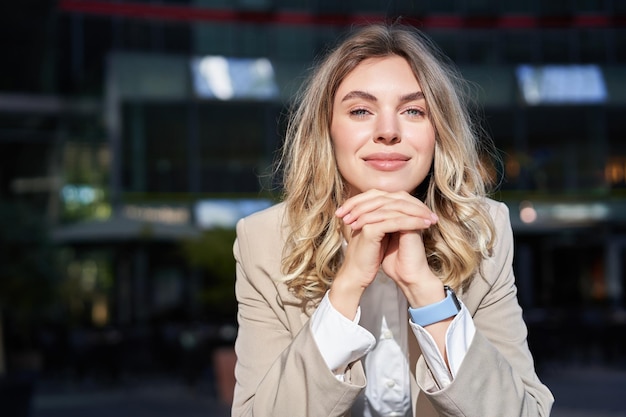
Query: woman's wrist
[345, 296]
[424, 292]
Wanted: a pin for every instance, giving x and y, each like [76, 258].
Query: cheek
[340, 141]
[341, 156]
[429, 141]
[431, 146]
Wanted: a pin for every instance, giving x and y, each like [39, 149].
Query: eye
[415, 112]
[359, 112]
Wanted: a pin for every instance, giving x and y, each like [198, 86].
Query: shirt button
[387, 334]
[391, 383]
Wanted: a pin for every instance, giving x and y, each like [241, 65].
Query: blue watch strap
[433, 313]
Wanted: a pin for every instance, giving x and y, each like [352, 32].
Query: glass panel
[561, 84]
[616, 125]
[137, 34]
[480, 47]
[226, 78]
[564, 155]
[619, 45]
[618, 7]
[556, 46]
[481, 7]
[236, 143]
[255, 4]
[615, 169]
[214, 39]
[366, 6]
[292, 43]
[154, 147]
[444, 6]
[516, 6]
[252, 40]
[409, 8]
[292, 4]
[448, 42]
[578, 261]
[326, 37]
[593, 45]
[592, 5]
[213, 3]
[518, 46]
[556, 7]
[330, 6]
[176, 38]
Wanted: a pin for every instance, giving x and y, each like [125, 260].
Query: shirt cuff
[340, 341]
[459, 337]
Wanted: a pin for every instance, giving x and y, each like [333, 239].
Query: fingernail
[428, 222]
[434, 217]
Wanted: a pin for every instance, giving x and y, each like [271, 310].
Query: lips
[386, 161]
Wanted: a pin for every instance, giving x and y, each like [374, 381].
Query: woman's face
[380, 129]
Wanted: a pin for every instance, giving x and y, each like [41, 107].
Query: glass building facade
[103, 122]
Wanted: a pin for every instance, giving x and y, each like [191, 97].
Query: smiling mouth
[382, 156]
[386, 162]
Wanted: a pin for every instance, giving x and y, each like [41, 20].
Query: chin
[393, 188]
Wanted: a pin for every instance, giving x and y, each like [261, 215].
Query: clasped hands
[385, 229]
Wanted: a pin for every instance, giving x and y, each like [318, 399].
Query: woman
[383, 284]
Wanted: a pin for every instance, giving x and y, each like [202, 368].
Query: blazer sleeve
[279, 370]
[497, 376]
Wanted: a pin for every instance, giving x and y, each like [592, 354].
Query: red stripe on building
[178, 13]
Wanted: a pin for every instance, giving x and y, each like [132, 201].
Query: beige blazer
[280, 372]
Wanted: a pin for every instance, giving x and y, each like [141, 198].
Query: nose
[387, 129]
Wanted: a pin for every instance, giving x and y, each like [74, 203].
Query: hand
[383, 229]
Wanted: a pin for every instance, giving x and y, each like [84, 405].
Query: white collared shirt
[378, 332]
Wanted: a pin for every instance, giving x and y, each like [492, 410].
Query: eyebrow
[418, 95]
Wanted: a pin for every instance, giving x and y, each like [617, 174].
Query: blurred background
[134, 134]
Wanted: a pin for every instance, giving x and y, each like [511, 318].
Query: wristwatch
[433, 313]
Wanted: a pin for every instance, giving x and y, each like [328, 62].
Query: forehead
[383, 74]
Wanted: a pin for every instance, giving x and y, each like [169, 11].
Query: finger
[358, 199]
[373, 200]
[380, 208]
[420, 218]
[377, 225]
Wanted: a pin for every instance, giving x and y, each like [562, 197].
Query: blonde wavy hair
[313, 187]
